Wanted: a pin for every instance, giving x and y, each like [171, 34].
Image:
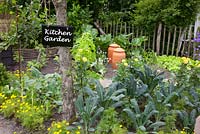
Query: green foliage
[4, 75]
[10, 106]
[27, 29]
[171, 63]
[188, 119]
[103, 42]
[2, 98]
[150, 77]
[111, 97]
[84, 47]
[88, 111]
[7, 6]
[133, 48]
[42, 89]
[179, 13]
[170, 120]
[142, 119]
[63, 127]
[41, 59]
[188, 75]
[109, 123]
[78, 16]
[31, 117]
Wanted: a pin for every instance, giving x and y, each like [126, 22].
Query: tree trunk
[61, 11]
[65, 60]
[67, 83]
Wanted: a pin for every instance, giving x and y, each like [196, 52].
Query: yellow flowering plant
[2, 98]
[10, 106]
[63, 127]
[31, 116]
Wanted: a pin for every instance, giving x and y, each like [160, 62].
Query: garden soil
[12, 126]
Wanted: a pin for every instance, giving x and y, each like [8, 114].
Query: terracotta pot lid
[119, 50]
[114, 45]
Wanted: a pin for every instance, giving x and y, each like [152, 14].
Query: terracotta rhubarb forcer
[111, 49]
[117, 57]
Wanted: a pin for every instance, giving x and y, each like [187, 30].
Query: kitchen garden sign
[54, 35]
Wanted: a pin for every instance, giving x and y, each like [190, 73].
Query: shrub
[10, 106]
[63, 127]
[31, 117]
[4, 75]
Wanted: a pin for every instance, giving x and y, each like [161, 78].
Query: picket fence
[163, 40]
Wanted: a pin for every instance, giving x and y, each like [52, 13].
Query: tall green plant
[109, 123]
[111, 97]
[88, 111]
[142, 119]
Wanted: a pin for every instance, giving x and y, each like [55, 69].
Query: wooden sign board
[54, 35]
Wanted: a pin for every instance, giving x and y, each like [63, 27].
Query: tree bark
[65, 60]
[61, 11]
[67, 83]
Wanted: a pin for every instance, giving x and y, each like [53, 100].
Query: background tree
[65, 65]
[148, 13]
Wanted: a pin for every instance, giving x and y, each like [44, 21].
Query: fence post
[174, 41]
[163, 44]
[158, 38]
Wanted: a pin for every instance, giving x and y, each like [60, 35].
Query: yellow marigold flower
[49, 129]
[14, 132]
[125, 64]
[185, 60]
[17, 75]
[68, 132]
[13, 96]
[198, 65]
[123, 60]
[136, 59]
[120, 126]
[84, 59]
[79, 127]
[77, 132]
[67, 123]
[58, 126]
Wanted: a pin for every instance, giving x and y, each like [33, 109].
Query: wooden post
[180, 42]
[163, 45]
[174, 41]
[158, 38]
[154, 36]
[168, 42]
